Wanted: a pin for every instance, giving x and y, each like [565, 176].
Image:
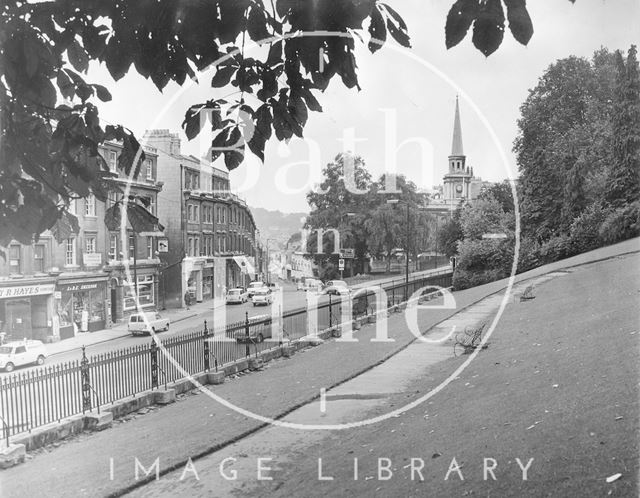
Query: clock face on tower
[459, 188]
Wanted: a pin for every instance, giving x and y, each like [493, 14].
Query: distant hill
[277, 225]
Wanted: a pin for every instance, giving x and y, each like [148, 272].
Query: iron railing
[49, 394]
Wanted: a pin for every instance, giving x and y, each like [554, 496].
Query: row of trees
[578, 153]
[356, 206]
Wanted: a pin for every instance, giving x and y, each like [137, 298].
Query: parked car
[274, 286]
[262, 297]
[310, 284]
[336, 287]
[145, 323]
[238, 296]
[17, 353]
[253, 286]
[259, 330]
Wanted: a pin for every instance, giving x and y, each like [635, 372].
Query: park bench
[469, 340]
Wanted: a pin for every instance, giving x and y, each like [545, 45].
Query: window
[113, 247]
[90, 205]
[150, 247]
[132, 246]
[72, 207]
[149, 165]
[217, 214]
[38, 257]
[112, 160]
[90, 244]
[196, 214]
[15, 264]
[145, 293]
[190, 247]
[196, 246]
[152, 206]
[70, 252]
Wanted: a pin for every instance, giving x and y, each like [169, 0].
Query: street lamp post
[347, 215]
[406, 263]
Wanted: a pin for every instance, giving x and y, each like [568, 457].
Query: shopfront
[207, 281]
[26, 311]
[81, 305]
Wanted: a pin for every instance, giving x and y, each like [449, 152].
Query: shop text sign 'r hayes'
[26, 290]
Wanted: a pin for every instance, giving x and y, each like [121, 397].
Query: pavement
[513, 384]
[120, 330]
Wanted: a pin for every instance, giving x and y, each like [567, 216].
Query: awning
[244, 264]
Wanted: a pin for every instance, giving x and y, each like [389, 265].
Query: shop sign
[92, 258]
[163, 244]
[26, 290]
[80, 287]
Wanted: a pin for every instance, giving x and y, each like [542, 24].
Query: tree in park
[49, 149]
[623, 183]
[401, 225]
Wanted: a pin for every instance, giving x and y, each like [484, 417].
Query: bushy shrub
[555, 248]
[529, 255]
[621, 224]
[463, 279]
[584, 231]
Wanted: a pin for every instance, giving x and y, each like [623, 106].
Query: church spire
[456, 145]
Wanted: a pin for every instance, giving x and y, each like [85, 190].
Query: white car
[336, 287]
[262, 296]
[17, 353]
[237, 296]
[254, 286]
[145, 323]
[310, 284]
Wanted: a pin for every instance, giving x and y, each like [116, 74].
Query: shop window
[90, 205]
[15, 262]
[38, 258]
[90, 244]
[146, 295]
[70, 252]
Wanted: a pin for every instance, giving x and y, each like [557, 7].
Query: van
[145, 323]
[18, 353]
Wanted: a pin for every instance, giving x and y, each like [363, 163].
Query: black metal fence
[49, 394]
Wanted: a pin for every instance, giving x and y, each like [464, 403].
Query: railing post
[206, 347]
[330, 312]
[153, 350]
[247, 350]
[86, 387]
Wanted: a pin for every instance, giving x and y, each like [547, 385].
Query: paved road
[290, 298]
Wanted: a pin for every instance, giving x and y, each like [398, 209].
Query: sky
[402, 118]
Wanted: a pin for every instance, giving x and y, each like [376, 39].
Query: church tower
[457, 180]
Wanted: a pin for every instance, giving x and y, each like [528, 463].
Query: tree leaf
[397, 27]
[102, 93]
[78, 56]
[223, 76]
[520, 23]
[459, 20]
[377, 30]
[488, 30]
